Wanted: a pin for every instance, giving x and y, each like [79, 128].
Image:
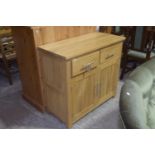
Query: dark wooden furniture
[7, 52]
[138, 47]
[117, 30]
[133, 54]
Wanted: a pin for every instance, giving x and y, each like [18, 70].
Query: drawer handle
[109, 56]
[88, 67]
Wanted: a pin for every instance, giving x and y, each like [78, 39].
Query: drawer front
[85, 63]
[110, 53]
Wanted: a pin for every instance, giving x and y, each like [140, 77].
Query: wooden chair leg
[8, 74]
[134, 65]
[123, 67]
[122, 73]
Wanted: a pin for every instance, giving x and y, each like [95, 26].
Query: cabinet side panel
[27, 61]
[54, 85]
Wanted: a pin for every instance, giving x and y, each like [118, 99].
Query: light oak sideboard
[79, 74]
[27, 39]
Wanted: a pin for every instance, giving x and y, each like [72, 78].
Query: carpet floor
[16, 113]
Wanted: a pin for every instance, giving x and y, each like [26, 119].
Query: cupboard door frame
[88, 82]
[110, 79]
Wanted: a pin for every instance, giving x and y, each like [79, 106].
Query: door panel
[83, 93]
[93, 88]
[108, 79]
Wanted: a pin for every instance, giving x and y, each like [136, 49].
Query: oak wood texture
[85, 63]
[110, 53]
[106, 29]
[75, 83]
[48, 34]
[68, 49]
[3, 32]
[27, 39]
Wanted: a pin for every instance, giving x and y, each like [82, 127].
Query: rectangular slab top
[81, 45]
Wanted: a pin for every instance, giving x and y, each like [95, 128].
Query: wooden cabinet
[27, 39]
[79, 74]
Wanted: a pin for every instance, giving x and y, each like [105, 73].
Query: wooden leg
[123, 67]
[69, 125]
[135, 65]
[8, 74]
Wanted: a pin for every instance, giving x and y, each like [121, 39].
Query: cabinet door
[108, 79]
[83, 93]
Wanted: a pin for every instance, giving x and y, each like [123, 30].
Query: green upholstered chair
[137, 98]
